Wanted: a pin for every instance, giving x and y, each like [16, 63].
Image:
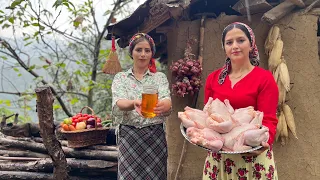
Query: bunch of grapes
[187, 74]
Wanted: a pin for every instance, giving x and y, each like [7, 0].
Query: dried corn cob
[275, 55]
[279, 125]
[273, 35]
[267, 43]
[284, 131]
[284, 76]
[282, 92]
[289, 119]
[276, 73]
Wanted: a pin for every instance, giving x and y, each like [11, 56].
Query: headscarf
[152, 64]
[253, 54]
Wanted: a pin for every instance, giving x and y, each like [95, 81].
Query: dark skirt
[142, 153]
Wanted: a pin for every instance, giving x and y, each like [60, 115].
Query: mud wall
[298, 159]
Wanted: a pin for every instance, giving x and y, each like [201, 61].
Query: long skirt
[238, 167]
[142, 153]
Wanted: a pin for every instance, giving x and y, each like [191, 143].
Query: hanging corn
[278, 66]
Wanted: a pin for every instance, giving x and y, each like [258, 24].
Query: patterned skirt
[142, 153]
[237, 167]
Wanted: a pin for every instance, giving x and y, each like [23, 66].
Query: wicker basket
[86, 137]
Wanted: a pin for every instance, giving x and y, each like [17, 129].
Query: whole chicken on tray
[220, 127]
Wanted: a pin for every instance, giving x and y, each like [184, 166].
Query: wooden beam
[278, 12]
[154, 22]
[255, 6]
[308, 2]
[150, 24]
[315, 11]
[310, 6]
[163, 29]
[298, 3]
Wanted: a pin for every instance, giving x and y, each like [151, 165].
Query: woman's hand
[137, 106]
[162, 107]
[264, 147]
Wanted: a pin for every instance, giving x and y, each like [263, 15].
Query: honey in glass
[149, 101]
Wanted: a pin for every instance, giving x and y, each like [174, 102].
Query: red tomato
[76, 120]
[82, 119]
[74, 124]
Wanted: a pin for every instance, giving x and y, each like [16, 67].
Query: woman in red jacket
[244, 84]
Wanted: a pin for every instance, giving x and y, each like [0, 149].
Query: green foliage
[6, 112]
[65, 53]
[5, 102]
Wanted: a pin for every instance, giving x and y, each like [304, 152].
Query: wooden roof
[154, 13]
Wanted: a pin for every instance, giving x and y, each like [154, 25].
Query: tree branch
[97, 50]
[94, 19]
[73, 38]
[60, 92]
[12, 51]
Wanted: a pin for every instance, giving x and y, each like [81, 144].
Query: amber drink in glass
[149, 101]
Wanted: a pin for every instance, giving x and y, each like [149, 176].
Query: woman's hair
[238, 26]
[140, 37]
[253, 54]
[136, 41]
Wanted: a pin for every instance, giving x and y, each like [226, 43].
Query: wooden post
[200, 58]
[47, 130]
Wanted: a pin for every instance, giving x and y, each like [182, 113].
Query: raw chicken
[193, 118]
[205, 137]
[258, 118]
[256, 136]
[217, 107]
[228, 105]
[234, 139]
[220, 116]
[244, 115]
[207, 105]
[218, 126]
[220, 108]
[215, 122]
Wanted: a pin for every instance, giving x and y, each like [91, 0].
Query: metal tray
[183, 132]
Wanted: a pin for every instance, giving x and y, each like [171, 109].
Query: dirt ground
[298, 158]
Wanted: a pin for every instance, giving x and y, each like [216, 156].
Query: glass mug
[149, 101]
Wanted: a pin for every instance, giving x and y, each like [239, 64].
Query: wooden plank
[255, 6]
[276, 13]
